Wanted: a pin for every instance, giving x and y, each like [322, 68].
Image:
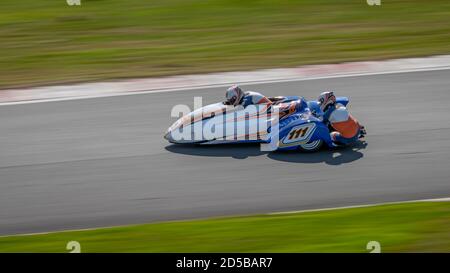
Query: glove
[362, 132]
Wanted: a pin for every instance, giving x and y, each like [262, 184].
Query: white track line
[195, 87]
[445, 199]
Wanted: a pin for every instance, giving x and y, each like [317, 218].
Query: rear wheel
[311, 146]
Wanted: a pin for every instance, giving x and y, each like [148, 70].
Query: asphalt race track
[103, 161]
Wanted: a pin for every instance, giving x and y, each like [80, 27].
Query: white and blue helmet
[326, 99]
[234, 95]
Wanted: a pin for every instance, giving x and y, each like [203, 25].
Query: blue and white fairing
[300, 125]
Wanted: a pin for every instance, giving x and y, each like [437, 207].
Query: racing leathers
[346, 127]
[251, 97]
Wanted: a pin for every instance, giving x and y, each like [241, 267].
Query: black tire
[312, 146]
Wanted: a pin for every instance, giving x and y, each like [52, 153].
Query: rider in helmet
[346, 128]
[235, 96]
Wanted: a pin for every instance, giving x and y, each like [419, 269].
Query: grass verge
[47, 41]
[408, 227]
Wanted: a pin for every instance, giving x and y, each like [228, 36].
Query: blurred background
[99, 162]
[47, 41]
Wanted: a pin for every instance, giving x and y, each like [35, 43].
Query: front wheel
[312, 146]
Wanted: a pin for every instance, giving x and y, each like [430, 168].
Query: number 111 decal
[300, 133]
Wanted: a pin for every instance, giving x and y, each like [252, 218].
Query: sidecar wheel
[311, 146]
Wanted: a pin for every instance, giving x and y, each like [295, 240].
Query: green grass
[47, 41]
[409, 227]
